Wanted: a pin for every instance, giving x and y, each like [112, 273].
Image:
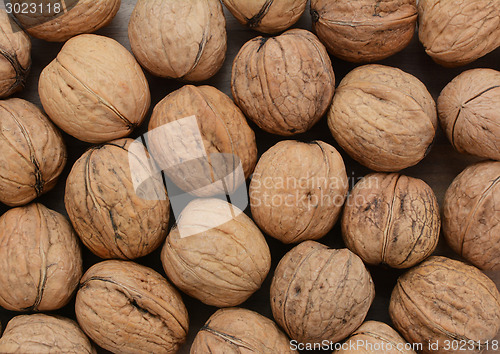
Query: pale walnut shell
[391, 219]
[94, 89]
[238, 330]
[366, 30]
[267, 16]
[40, 259]
[128, 308]
[76, 17]
[456, 33]
[112, 216]
[383, 118]
[32, 152]
[318, 293]
[183, 39]
[471, 215]
[444, 300]
[469, 112]
[216, 253]
[297, 190]
[42, 334]
[285, 83]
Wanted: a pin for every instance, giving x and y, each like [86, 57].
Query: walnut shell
[318, 293]
[297, 190]
[128, 308]
[72, 17]
[216, 253]
[391, 219]
[383, 118]
[41, 334]
[200, 167]
[285, 83]
[94, 89]
[458, 32]
[268, 16]
[32, 152]
[194, 51]
[445, 300]
[364, 31]
[469, 112]
[108, 211]
[237, 330]
[471, 215]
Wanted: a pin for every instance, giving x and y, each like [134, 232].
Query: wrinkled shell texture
[458, 32]
[94, 89]
[319, 293]
[32, 152]
[221, 263]
[469, 112]
[471, 215]
[297, 190]
[366, 30]
[15, 56]
[128, 308]
[442, 299]
[268, 16]
[179, 39]
[237, 330]
[383, 118]
[81, 16]
[196, 157]
[391, 219]
[285, 83]
[41, 334]
[107, 211]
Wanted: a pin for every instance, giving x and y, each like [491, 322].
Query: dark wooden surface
[438, 169]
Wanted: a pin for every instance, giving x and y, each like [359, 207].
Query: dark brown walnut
[391, 219]
[216, 253]
[285, 83]
[471, 215]
[298, 190]
[237, 330]
[32, 152]
[58, 20]
[42, 334]
[318, 293]
[94, 89]
[128, 308]
[179, 39]
[469, 112]
[456, 33]
[114, 216]
[202, 141]
[383, 118]
[442, 301]
[366, 30]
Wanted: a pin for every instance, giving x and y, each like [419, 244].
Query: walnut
[471, 215]
[391, 219]
[216, 253]
[297, 190]
[128, 308]
[94, 89]
[366, 30]
[444, 300]
[32, 152]
[179, 39]
[383, 118]
[469, 112]
[40, 259]
[285, 83]
[319, 293]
